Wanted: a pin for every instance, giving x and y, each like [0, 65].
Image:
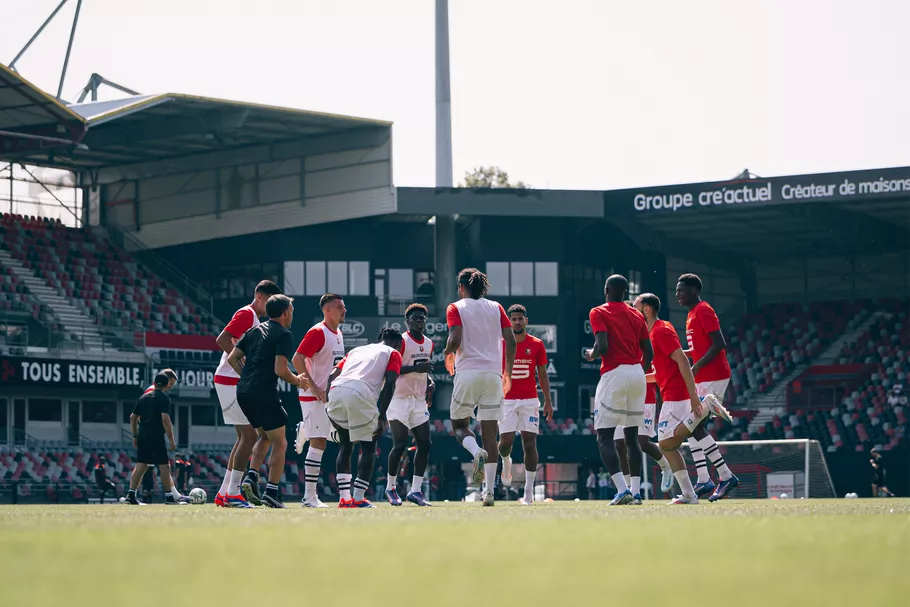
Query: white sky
[576, 94]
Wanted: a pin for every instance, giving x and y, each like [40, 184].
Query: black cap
[162, 380]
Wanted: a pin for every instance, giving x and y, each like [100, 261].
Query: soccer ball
[197, 495]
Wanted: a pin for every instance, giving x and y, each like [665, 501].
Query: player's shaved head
[616, 287]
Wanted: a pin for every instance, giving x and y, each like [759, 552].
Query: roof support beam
[213, 124]
[191, 163]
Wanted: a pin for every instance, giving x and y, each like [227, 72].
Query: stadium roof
[173, 126]
[30, 119]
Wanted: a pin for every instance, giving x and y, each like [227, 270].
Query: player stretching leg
[712, 375]
[409, 409]
[319, 351]
[520, 409]
[226, 380]
[367, 374]
[621, 341]
[477, 329]
[681, 410]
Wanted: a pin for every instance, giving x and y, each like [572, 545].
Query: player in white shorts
[226, 380]
[621, 342]
[473, 354]
[521, 407]
[681, 410]
[320, 350]
[409, 409]
[367, 374]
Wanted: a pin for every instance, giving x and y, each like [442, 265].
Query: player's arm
[647, 353]
[225, 341]
[312, 342]
[241, 322]
[282, 371]
[651, 378]
[431, 389]
[134, 426]
[718, 343]
[392, 371]
[453, 342]
[600, 346]
[545, 388]
[679, 357]
[335, 373]
[235, 359]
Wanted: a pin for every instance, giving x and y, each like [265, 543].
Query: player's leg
[633, 447]
[277, 438]
[461, 411]
[421, 434]
[619, 441]
[609, 397]
[242, 449]
[365, 464]
[249, 488]
[343, 467]
[318, 428]
[529, 446]
[671, 433]
[653, 451]
[171, 495]
[362, 421]
[610, 459]
[508, 427]
[712, 394]
[399, 444]
[678, 465]
[135, 480]
[487, 392]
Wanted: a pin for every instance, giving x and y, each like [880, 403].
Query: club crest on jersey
[421, 348]
[527, 350]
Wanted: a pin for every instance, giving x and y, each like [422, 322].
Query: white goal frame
[807, 443]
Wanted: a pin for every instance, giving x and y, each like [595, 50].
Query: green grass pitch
[809, 552]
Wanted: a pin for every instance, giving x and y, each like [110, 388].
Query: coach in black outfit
[267, 348]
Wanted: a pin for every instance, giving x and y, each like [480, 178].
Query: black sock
[253, 475]
[132, 492]
[271, 488]
[168, 496]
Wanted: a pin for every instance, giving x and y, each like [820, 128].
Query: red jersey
[665, 342]
[701, 321]
[530, 353]
[625, 328]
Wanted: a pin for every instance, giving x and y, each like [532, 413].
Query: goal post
[767, 468]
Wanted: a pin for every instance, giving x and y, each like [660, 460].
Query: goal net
[768, 468]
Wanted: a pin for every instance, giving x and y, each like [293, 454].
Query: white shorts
[477, 389]
[352, 411]
[316, 422]
[717, 387]
[520, 416]
[620, 397]
[230, 410]
[409, 410]
[672, 414]
[645, 428]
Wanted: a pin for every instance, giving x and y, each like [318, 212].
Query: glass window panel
[401, 284]
[359, 273]
[315, 277]
[522, 278]
[546, 278]
[293, 278]
[44, 410]
[204, 415]
[338, 277]
[498, 275]
[99, 411]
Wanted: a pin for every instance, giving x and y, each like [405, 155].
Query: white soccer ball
[197, 495]
[784, 496]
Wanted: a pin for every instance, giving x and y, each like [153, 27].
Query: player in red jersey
[521, 407]
[319, 351]
[477, 329]
[226, 380]
[621, 341]
[707, 348]
[172, 376]
[681, 409]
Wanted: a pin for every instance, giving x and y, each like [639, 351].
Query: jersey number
[420, 361]
[521, 371]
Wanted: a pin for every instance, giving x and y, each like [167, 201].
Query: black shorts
[263, 409]
[151, 451]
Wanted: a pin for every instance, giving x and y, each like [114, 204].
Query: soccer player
[707, 348]
[879, 488]
[149, 422]
[226, 380]
[170, 385]
[521, 407]
[102, 481]
[266, 349]
[477, 329]
[319, 351]
[409, 409]
[367, 374]
[681, 410]
[621, 341]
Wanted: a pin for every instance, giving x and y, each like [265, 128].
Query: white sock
[507, 466]
[698, 454]
[391, 482]
[664, 464]
[620, 482]
[174, 492]
[234, 486]
[685, 483]
[344, 485]
[529, 484]
[635, 487]
[713, 454]
[226, 482]
[628, 479]
[311, 465]
[470, 443]
[360, 489]
[417, 484]
[489, 477]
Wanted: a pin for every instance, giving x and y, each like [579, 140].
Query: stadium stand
[15, 297]
[100, 278]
